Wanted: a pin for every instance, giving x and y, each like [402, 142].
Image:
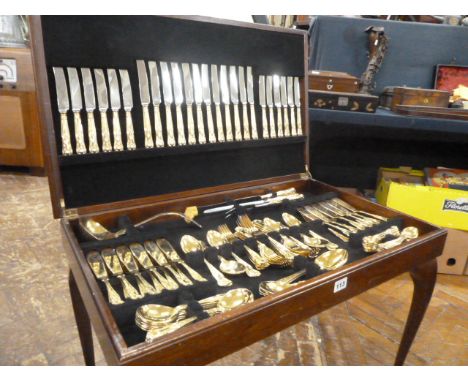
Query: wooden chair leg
[82, 322]
[424, 278]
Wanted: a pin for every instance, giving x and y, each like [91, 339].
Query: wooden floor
[37, 325]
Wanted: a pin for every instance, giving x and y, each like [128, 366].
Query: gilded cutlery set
[172, 85]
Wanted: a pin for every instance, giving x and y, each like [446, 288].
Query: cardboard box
[454, 259]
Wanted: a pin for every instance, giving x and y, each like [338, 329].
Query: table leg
[424, 278]
[82, 322]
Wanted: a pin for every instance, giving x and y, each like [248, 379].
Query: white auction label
[340, 284]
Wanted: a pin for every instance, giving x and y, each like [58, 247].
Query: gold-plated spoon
[169, 328]
[332, 259]
[290, 220]
[230, 267]
[191, 244]
[249, 270]
[151, 316]
[215, 239]
[230, 300]
[270, 287]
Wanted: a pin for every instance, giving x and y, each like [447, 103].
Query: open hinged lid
[110, 179]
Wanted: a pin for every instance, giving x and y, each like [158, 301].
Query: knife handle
[65, 133]
[106, 141]
[293, 121]
[211, 132]
[287, 130]
[146, 128]
[131, 145]
[253, 122]
[118, 145]
[200, 125]
[219, 124]
[158, 126]
[227, 114]
[181, 141]
[245, 121]
[280, 122]
[272, 123]
[92, 135]
[237, 127]
[266, 134]
[169, 127]
[299, 122]
[80, 144]
[192, 140]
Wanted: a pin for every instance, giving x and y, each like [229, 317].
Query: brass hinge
[306, 175]
[69, 213]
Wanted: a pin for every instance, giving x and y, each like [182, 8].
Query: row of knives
[233, 86]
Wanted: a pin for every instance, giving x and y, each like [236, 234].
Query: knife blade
[250, 93]
[207, 100]
[269, 97]
[277, 99]
[128, 106]
[243, 100]
[198, 100]
[90, 105]
[291, 105]
[284, 102]
[178, 99]
[188, 90]
[297, 101]
[226, 100]
[103, 105]
[167, 92]
[234, 91]
[63, 104]
[156, 99]
[217, 102]
[114, 94]
[262, 101]
[76, 106]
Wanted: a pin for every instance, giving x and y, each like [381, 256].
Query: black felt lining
[117, 42]
[125, 314]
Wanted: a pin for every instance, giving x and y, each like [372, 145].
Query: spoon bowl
[230, 267]
[332, 259]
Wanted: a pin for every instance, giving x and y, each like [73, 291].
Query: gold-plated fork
[98, 267]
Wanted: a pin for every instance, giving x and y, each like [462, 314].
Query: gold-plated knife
[233, 86]
[297, 101]
[77, 105]
[207, 100]
[103, 105]
[284, 103]
[188, 90]
[226, 100]
[63, 106]
[277, 98]
[90, 105]
[217, 102]
[243, 101]
[197, 85]
[128, 106]
[250, 97]
[178, 99]
[145, 101]
[167, 91]
[269, 97]
[291, 105]
[156, 98]
[262, 100]
[114, 94]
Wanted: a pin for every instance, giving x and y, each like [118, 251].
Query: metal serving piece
[167, 91]
[207, 100]
[297, 101]
[103, 105]
[77, 105]
[233, 86]
[277, 98]
[156, 98]
[226, 100]
[243, 101]
[188, 90]
[128, 106]
[261, 96]
[90, 105]
[115, 106]
[178, 98]
[250, 98]
[291, 105]
[269, 101]
[63, 106]
[198, 100]
[145, 101]
[284, 103]
[217, 102]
